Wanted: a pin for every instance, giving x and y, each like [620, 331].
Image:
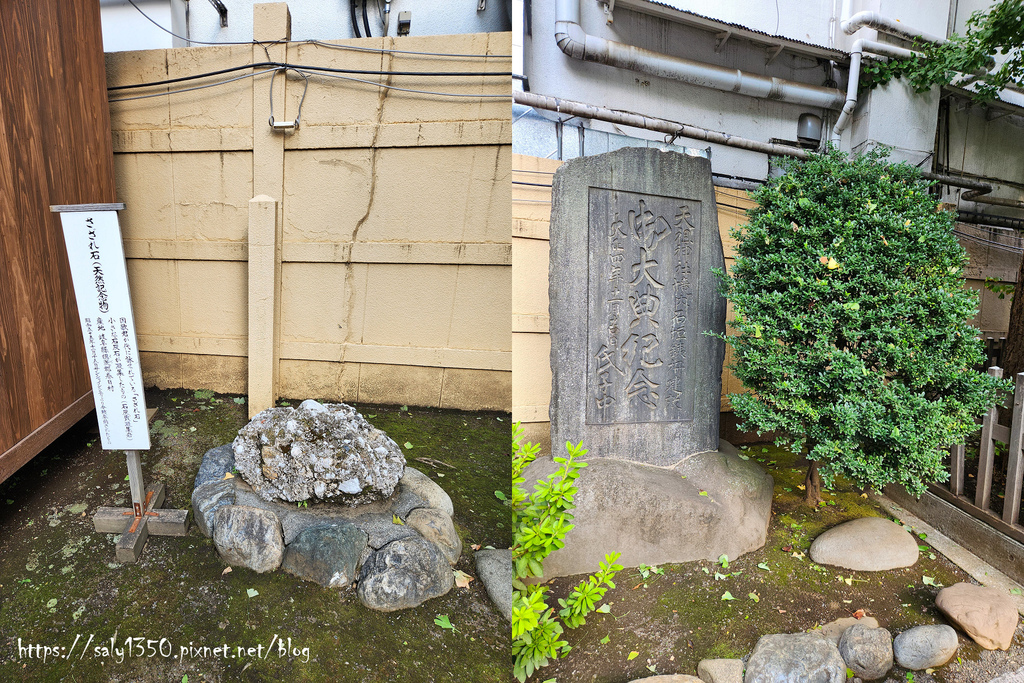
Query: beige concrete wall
[392, 225]
[531, 344]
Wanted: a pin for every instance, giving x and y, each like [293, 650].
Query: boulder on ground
[404, 573]
[720, 670]
[834, 630]
[207, 499]
[709, 505]
[328, 555]
[248, 537]
[494, 567]
[868, 544]
[437, 527]
[795, 658]
[985, 614]
[925, 647]
[867, 651]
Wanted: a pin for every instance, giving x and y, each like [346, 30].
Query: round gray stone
[834, 630]
[328, 555]
[867, 544]
[216, 463]
[326, 452]
[207, 499]
[248, 537]
[423, 486]
[867, 651]
[795, 658]
[437, 527]
[720, 670]
[924, 647]
[404, 573]
[494, 568]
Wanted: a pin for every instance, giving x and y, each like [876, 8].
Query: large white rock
[324, 451]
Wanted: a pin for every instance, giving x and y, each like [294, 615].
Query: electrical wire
[303, 67]
[366, 21]
[198, 87]
[357, 48]
[308, 72]
[355, 22]
[321, 43]
[409, 90]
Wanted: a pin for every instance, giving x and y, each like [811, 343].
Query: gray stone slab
[634, 236]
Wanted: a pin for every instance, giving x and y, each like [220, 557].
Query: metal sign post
[100, 279]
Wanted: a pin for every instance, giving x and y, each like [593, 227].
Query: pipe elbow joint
[571, 39]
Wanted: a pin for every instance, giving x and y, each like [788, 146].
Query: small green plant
[541, 521]
[644, 571]
[203, 394]
[302, 504]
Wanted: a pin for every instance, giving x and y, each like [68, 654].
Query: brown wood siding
[55, 148]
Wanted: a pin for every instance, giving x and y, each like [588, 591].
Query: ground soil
[668, 623]
[59, 581]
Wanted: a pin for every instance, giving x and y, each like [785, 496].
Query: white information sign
[96, 255]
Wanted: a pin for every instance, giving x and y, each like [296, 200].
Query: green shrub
[850, 325]
[541, 522]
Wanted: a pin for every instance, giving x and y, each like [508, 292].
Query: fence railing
[995, 470]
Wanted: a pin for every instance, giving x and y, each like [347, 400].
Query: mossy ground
[674, 620]
[59, 580]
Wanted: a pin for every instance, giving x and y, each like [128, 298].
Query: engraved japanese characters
[634, 237]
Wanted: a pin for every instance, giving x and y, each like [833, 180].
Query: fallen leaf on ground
[632, 655]
[227, 570]
[251, 592]
[475, 546]
[859, 614]
[462, 579]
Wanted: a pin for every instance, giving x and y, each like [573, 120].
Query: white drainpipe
[578, 44]
[886, 25]
[859, 48]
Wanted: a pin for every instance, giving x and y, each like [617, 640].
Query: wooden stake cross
[145, 517]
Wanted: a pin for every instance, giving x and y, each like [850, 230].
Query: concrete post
[264, 275]
[271, 22]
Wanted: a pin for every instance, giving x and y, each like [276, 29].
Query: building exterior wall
[124, 28]
[392, 220]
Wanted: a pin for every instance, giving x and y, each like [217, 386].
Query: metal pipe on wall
[578, 44]
[675, 129]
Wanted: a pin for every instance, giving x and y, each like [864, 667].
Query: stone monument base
[710, 504]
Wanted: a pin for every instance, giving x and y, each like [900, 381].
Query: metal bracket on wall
[772, 53]
[721, 39]
[222, 11]
[609, 9]
[481, 5]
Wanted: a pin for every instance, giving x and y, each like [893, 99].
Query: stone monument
[636, 370]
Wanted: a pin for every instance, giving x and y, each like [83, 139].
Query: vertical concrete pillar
[264, 279]
[271, 22]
